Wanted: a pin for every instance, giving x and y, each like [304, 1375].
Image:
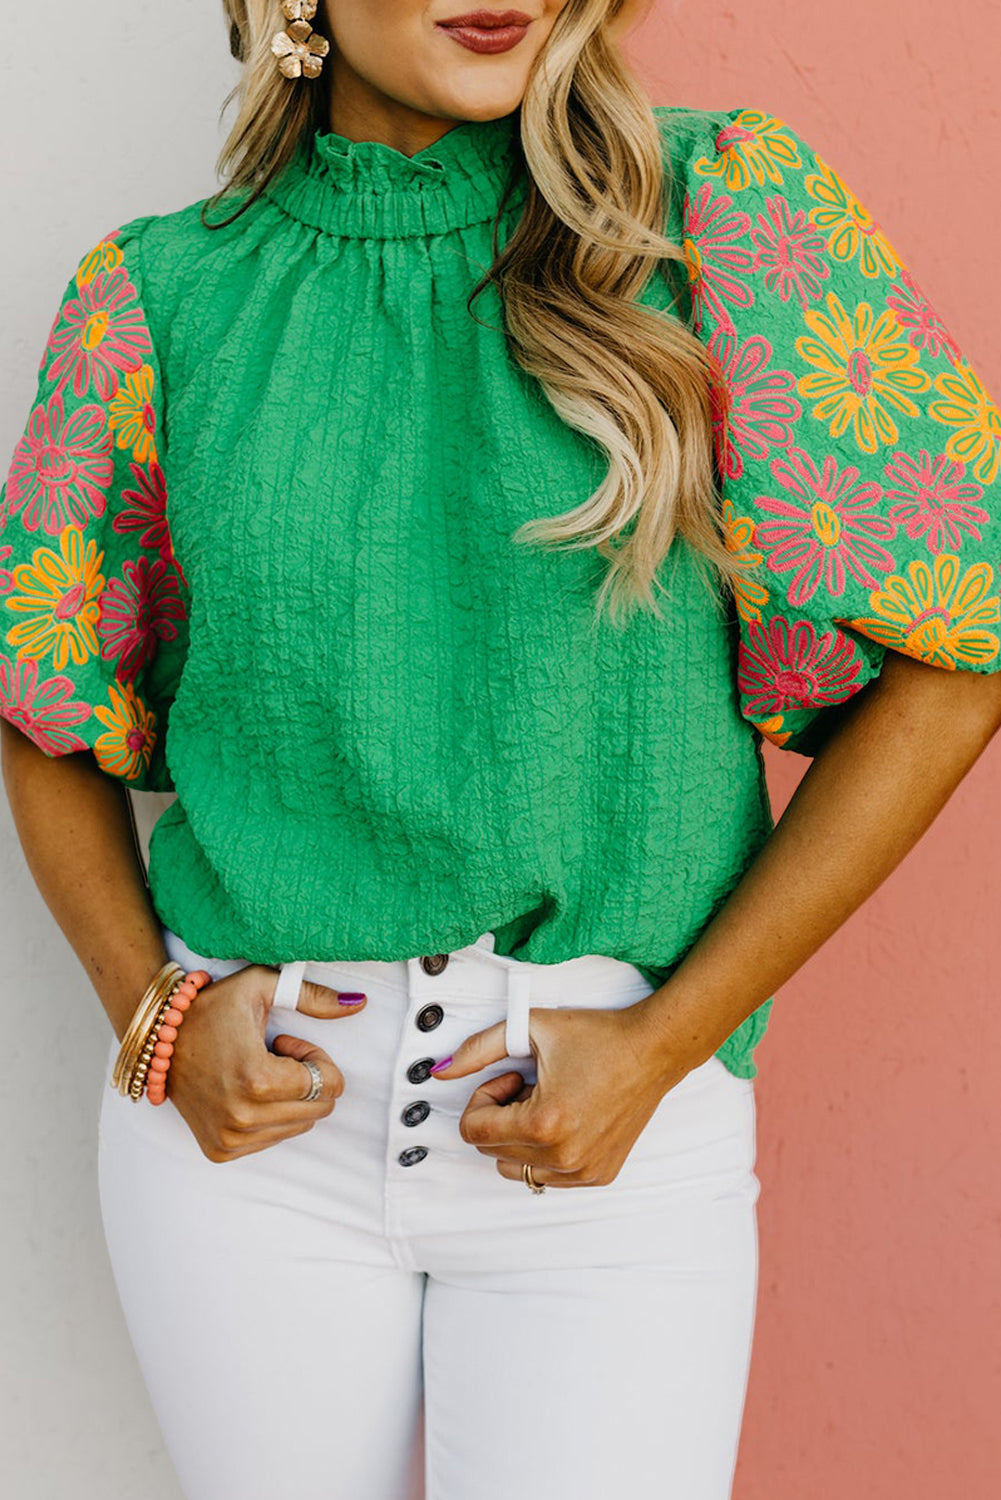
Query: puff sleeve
[860, 456]
[93, 603]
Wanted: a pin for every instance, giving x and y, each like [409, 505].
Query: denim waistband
[475, 968]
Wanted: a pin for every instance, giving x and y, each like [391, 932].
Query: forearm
[76, 834]
[867, 798]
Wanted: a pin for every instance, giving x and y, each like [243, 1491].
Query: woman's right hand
[235, 1094]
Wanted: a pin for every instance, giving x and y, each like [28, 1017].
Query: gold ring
[526, 1172]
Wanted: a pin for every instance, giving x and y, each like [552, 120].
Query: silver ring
[316, 1080]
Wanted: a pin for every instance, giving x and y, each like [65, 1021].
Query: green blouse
[256, 550]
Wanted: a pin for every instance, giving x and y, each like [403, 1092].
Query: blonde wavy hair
[634, 379]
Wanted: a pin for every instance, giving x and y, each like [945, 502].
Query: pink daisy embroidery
[762, 407]
[785, 666]
[791, 251]
[829, 528]
[144, 509]
[715, 259]
[101, 333]
[919, 319]
[146, 512]
[932, 501]
[138, 610]
[44, 711]
[60, 470]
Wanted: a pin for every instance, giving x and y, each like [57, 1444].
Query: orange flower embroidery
[59, 597]
[864, 367]
[967, 407]
[937, 612]
[126, 748]
[132, 415]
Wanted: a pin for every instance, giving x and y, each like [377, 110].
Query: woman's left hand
[600, 1076]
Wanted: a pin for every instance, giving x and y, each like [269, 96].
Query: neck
[370, 188]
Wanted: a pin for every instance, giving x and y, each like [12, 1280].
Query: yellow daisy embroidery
[105, 256]
[937, 612]
[864, 366]
[755, 147]
[132, 415]
[125, 749]
[967, 407]
[750, 596]
[849, 227]
[59, 598]
[772, 729]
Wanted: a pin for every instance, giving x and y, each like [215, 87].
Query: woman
[365, 569]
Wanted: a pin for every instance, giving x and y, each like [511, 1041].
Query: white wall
[107, 110]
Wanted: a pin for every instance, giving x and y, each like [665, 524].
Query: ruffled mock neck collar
[366, 189]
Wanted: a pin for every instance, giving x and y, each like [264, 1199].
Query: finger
[260, 1140]
[314, 999]
[287, 1080]
[477, 1051]
[322, 1001]
[541, 1176]
[495, 1118]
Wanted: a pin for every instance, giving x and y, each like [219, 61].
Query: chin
[477, 107]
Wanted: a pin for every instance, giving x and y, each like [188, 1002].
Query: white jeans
[342, 1316]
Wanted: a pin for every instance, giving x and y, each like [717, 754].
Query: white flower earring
[299, 49]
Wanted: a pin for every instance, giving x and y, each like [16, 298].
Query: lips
[489, 20]
[487, 31]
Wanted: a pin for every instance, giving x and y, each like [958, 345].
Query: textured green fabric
[257, 542]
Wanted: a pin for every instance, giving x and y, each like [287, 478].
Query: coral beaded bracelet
[148, 1043]
[165, 1032]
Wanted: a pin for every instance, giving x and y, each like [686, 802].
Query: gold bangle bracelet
[140, 1073]
[157, 1003]
[138, 1026]
[163, 983]
[155, 990]
[134, 1070]
[156, 984]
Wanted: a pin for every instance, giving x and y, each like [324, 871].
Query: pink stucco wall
[877, 1365]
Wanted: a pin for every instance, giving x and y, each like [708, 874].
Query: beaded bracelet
[165, 1032]
[167, 977]
[148, 1044]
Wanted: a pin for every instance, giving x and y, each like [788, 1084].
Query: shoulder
[165, 260]
[129, 247]
[742, 149]
[685, 130]
[194, 232]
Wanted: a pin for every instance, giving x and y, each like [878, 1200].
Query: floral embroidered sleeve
[93, 603]
[861, 456]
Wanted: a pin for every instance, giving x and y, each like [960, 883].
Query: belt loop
[519, 1000]
[290, 977]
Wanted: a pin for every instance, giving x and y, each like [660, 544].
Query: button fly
[430, 1017]
[420, 1071]
[412, 1155]
[416, 1113]
[434, 963]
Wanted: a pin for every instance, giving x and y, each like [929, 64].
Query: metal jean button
[412, 1155]
[420, 1071]
[430, 1017]
[434, 963]
[416, 1113]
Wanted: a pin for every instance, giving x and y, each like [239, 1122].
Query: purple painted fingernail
[440, 1065]
[351, 997]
